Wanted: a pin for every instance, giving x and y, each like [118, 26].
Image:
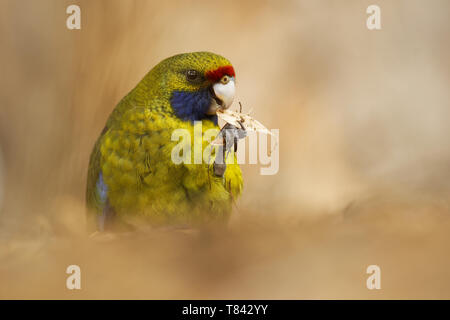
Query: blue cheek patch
[192, 106]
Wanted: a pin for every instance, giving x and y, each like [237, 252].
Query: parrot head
[197, 84]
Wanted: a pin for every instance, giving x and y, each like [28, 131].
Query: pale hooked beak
[223, 95]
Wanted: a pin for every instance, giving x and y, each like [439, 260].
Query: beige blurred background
[364, 172]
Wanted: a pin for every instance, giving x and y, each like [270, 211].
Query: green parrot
[131, 172]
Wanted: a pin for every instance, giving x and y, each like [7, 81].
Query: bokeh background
[364, 174]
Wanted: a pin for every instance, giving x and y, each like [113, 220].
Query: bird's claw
[230, 136]
[219, 169]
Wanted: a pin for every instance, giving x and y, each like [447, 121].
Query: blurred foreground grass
[279, 256]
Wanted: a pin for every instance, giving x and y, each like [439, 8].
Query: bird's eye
[225, 79]
[192, 75]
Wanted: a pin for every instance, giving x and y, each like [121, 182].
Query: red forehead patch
[216, 75]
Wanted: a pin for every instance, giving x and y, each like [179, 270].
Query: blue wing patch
[102, 189]
[102, 192]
